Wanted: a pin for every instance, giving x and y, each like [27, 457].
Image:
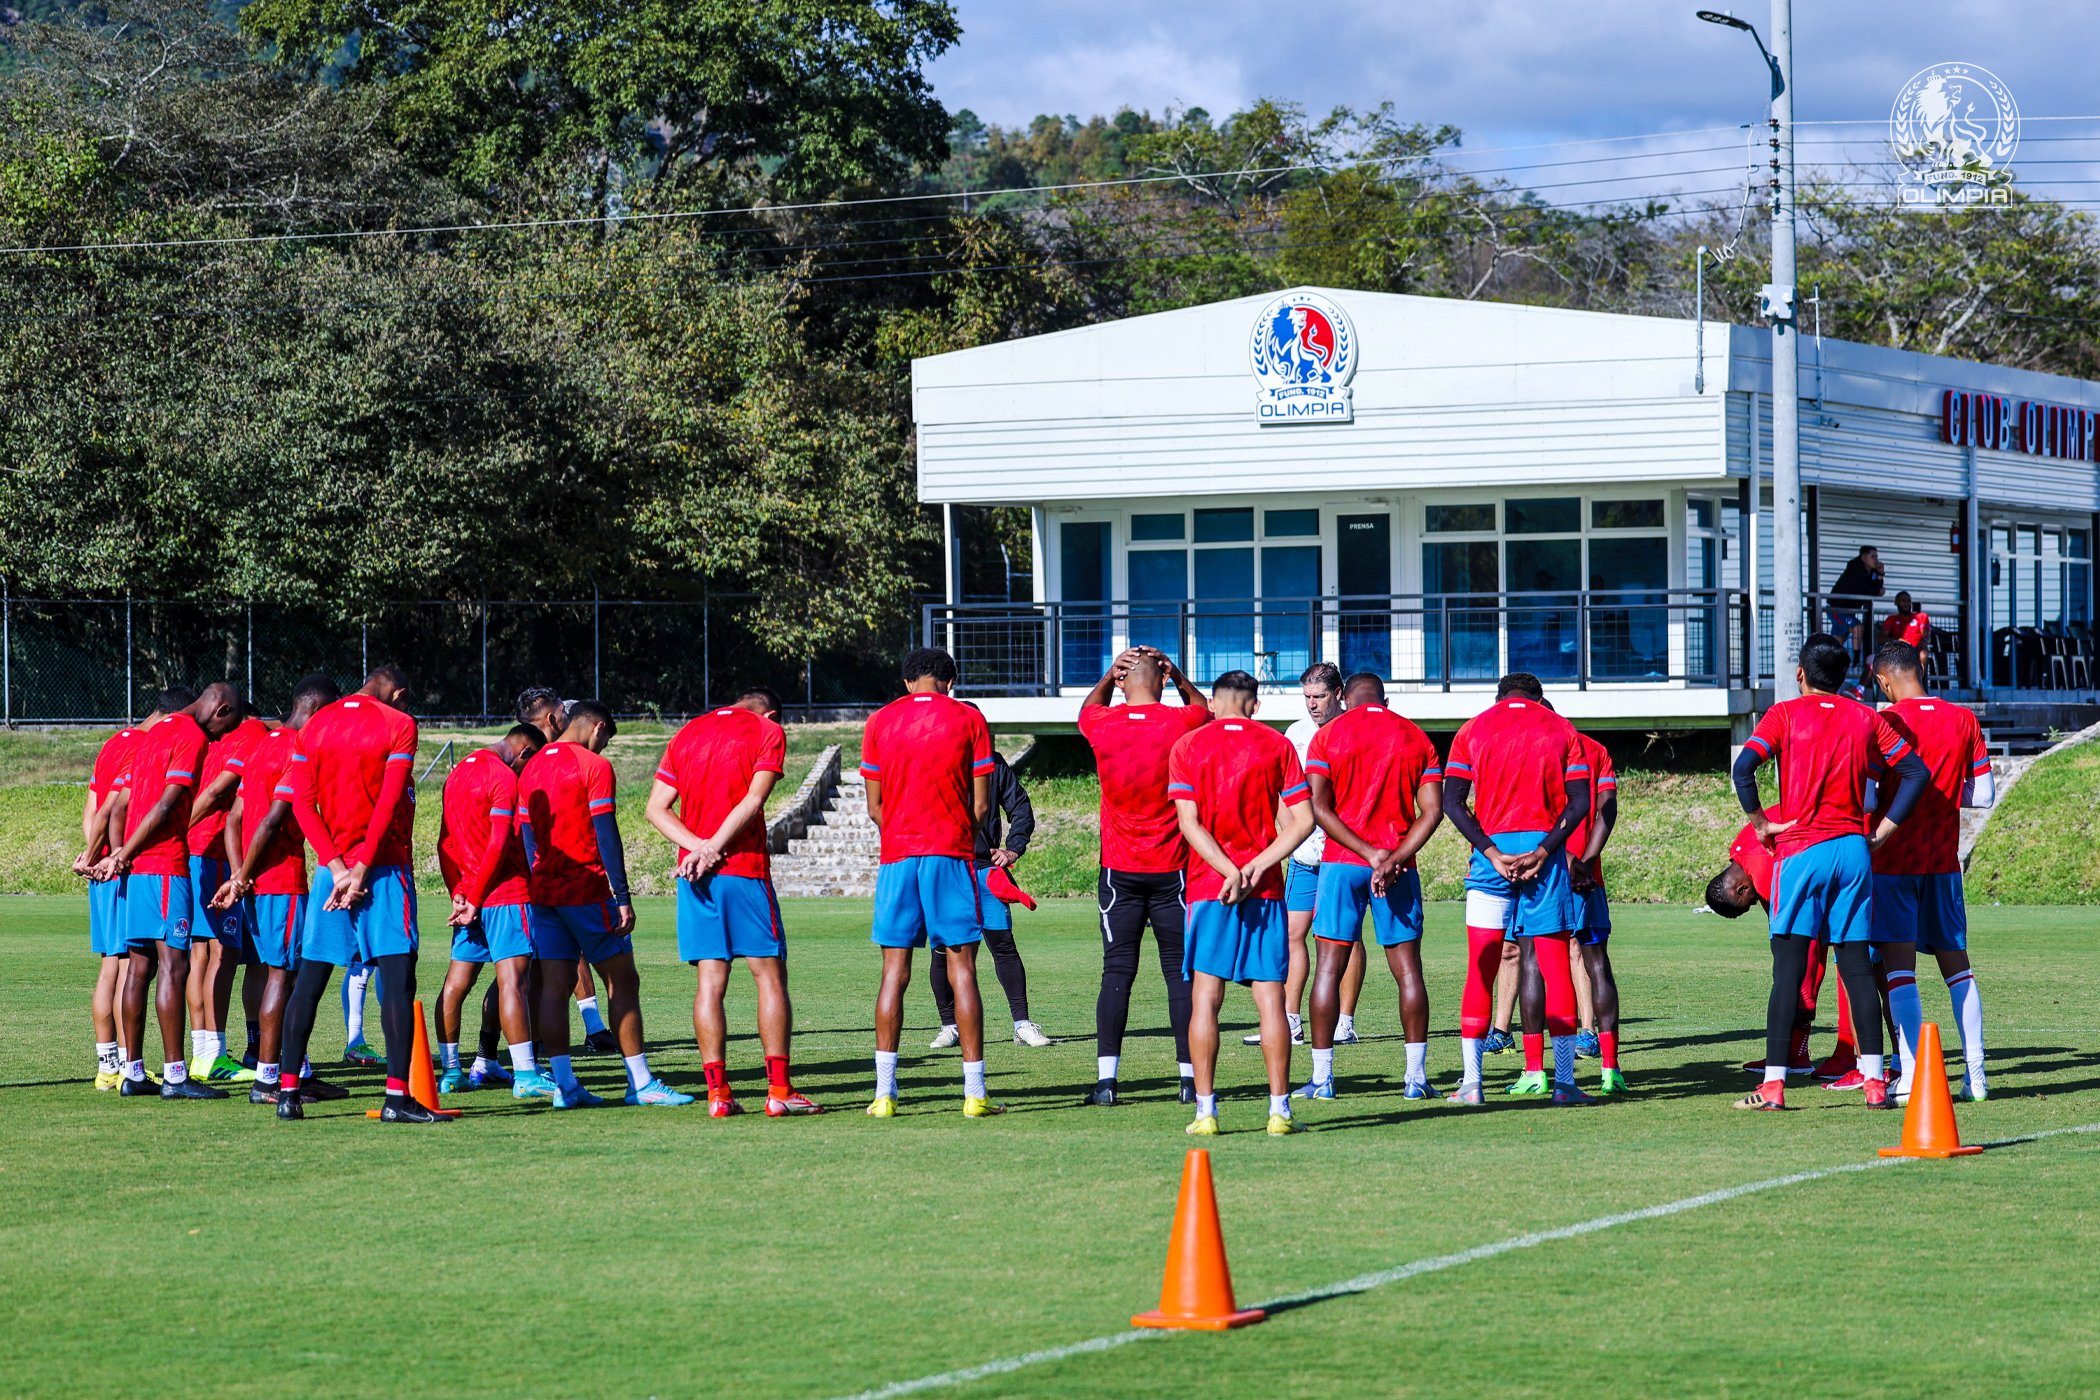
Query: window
[1157, 527]
[1633, 515]
[1083, 561]
[1289, 524]
[1442, 520]
[1205, 579]
[1559, 515]
[1224, 526]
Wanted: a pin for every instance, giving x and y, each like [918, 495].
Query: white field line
[1364, 1283]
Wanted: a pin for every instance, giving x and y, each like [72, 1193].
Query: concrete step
[806, 846]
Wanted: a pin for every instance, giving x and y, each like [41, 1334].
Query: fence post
[1443, 639]
[130, 680]
[364, 650]
[1582, 641]
[706, 656]
[7, 654]
[484, 656]
[249, 608]
[597, 686]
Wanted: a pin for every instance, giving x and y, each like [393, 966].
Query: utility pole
[1787, 612]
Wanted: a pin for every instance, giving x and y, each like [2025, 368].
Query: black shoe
[189, 1089]
[263, 1093]
[1188, 1091]
[399, 1109]
[288, 1105]
[1103, 1093]
[602, 1042]
[138, 1088]
[321, 1091]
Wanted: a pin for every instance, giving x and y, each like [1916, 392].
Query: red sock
[288, 1081]
[1608, 1048]
[717, 1074]
[1552, 953]
[777, 1075]
[397, 1086]
[1534, 1054]
[1483, 962]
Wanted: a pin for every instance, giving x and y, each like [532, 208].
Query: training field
[206, 1249]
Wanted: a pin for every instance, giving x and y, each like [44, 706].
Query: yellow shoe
[981, 1108]
[1283, 1125]
[107, 1079]
[200, 1067]
[1206, 1125]
[883, 1107]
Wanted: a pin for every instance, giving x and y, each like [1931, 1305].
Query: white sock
[1418, 1062]
[1871, 1066]
[1775, 1074]
[1323, 1066]
[521, 1061]
[1297, 1023]
[1469, 1058]
[174, 1072]
[134, 1069]
[1564, 1059]
[1206, 1105]
[885, 1074]
[1280, 1103]
[1909, 1012]
[215, 1043]
[1188, 1071]
[197, 1042]
[638, 1071]
[1345, 1026]
[564, 1072]
[1106, 1066]
[267, 1072]
[973, 1079]
[1968, 1015]
[106, 1056]
[354, 982]
[448, 1054]
[592, 1021]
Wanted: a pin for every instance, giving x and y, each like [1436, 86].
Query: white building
[1442, 491]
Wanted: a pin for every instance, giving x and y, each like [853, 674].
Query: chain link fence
[101, 660]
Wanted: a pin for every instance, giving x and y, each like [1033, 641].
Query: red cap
[1006, 891]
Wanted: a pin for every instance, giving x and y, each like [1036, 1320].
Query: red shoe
[792, 1105]
[1838, 1066]
[1877, 1093]
[1851, 1079]
[723, 1106]
[1769, 1097]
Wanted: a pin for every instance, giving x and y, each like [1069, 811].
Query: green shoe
[1531, 1081]
[227, 1070]
[1610, 1081]
[359, 1053]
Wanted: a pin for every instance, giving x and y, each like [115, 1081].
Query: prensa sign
[1968, 418]
[1303, 354]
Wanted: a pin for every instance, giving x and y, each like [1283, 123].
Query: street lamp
[1776, 303]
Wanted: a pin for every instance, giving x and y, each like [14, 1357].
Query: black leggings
[1128, 901]
[1789, 966]
[1006, 963]
[397, 1010]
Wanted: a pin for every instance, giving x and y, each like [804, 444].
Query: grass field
[206, 1249]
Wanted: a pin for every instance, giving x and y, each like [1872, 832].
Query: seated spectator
[1908, 623]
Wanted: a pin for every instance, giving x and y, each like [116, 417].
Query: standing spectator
[1858, 583]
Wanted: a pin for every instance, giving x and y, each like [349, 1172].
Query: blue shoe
[452, 1080]
[1586, 1045]
[533, 1084]
[656, 1094]
[1499, 1042]
[1420, 1089]
[1318, 1089]
[495, 1076]
[578, 1097]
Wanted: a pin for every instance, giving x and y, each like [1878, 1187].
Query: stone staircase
[839, 852]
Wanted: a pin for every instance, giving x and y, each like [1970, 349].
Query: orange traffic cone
[422, 1079]
[1928, 1122]
[1197, 1291]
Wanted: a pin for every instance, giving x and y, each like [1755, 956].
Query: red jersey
[1950, 742]
[345, 754]
[926, 751]
[228, 754]
[1912, 627]
[1603, 779]
[1520, 757]
[266, 780]
[1750, 853]
[107, 776]
[168, 755]
[1826, 746]
[711, 761]
[1139, 832]
[564, 790]
[480, 800]
[1377, 761]
[1235, 771]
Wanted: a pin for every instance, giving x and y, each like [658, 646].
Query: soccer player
[1823, 880]
[1377, 791]
[267, 855]
[543, 708]
[483, 862]
[1144, 860]
[105, 907]
[352, 795]
[715, 776]
[996, 850]
[219, 935]
[154, 864]
[581, 909]
[1244, 806]
[1593, 936]
[1918, 902]
[1523, 769]
[927, 763]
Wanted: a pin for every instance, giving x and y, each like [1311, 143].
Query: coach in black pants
[1011, 799]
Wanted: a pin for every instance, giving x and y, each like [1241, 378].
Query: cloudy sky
[1523, 73]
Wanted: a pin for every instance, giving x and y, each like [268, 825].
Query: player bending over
[1243, 805]
[1377, 791]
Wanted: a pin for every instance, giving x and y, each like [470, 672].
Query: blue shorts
[1596, 916]
[1244, 942]
[1927, 908]
[567, 932]
[992, 911]
[1345, 892]
[500, 932]
[1301, 886]
[383, 923]
[1545, 905]
[1825, 891]
[106, 918]
[229, 926]
[927, 898]
[728, 916]
[156, 910]
[279, 920]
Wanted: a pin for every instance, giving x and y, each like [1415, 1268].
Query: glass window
[1556, 515]
[1439, 520]
[1290, 619]
[1224, 629]
[1224, 526]
[1157, 527]
[1465, 632]
[1637, 515]
[2075, 544]
[1083, 560]
[1159, 583]
[1698, 514]
[1629, 641]
[1290, 524]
